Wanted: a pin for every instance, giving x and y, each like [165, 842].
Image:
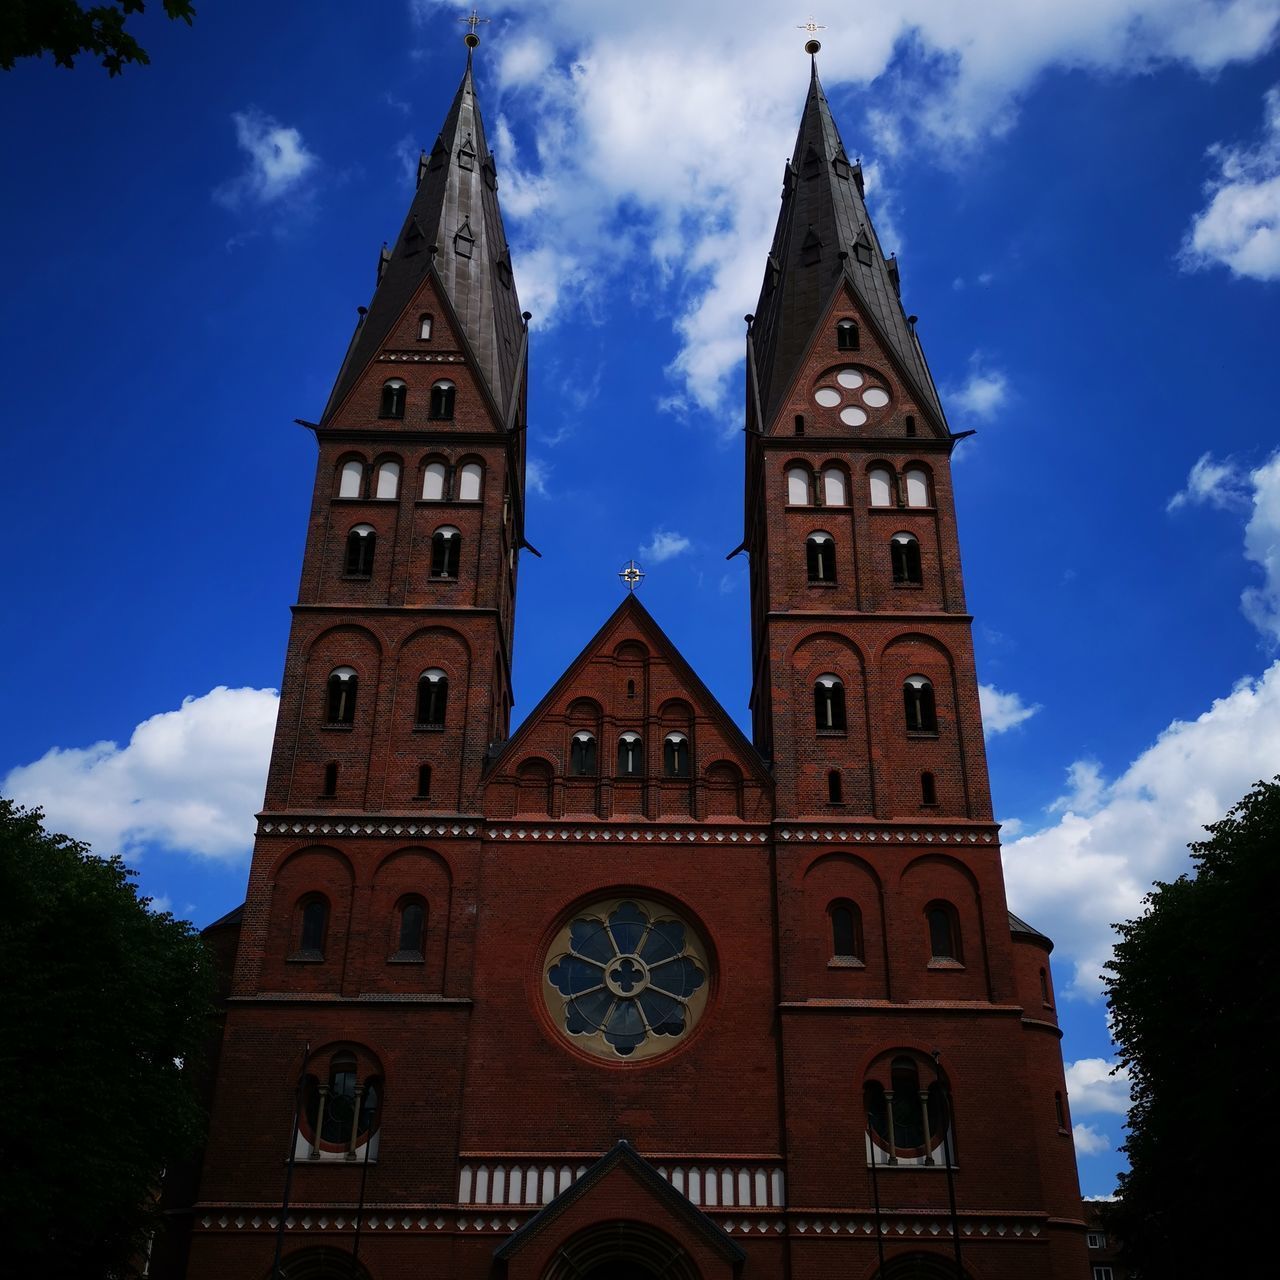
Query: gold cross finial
[471, 39]
[812, 45]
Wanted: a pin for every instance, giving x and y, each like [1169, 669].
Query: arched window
[799, 424]
[917, 699]
[917, 482]
[342, 1115]
[424, 781]
[880, 480]
[433, 697]
[828, 704]
[424, 328]
[434, 477]
[469, 482]
[928, 789]
[630, 756]
[330, 779]
[911, 424]
[907, 1120]
[675, 755]
[582, 755]
[351, 479]
[313, 924]
[360, 544]
[835, 787]
[1060, 1111]
[388, 485]
[799, 487]
[820, 555]
[834, 489]
[846, 931]
[631, 688]
[446, 547]
[846, 335]
[442, 394]
[904, 550]
[394, 393]
[341, 702]
[944, 933]
[1044, 990]
[413, 928]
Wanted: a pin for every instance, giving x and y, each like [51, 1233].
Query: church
[623, 993]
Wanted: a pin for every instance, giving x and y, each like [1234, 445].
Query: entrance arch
[621, 1250]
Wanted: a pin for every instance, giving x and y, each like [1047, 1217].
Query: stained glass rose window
[626, 979]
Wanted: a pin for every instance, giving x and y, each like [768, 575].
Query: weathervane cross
[471, 39]
[811, 27]
[632, 575]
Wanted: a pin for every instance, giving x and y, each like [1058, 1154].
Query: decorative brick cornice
[880, 834]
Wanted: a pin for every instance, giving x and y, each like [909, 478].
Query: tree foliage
[103, 1001]
[1195, 1007]
[65, 28]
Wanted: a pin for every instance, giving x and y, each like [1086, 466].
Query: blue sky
[1086, 202]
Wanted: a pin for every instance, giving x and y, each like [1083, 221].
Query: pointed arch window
[582, 755]
[917, 485]
[944, 931]
[424, 328]
[412, 928]
[388, 484]
[834, 488]
[313, 925]
[446, 548]
[433, 698]
[351, 479]
[469, 482]
[442, 395]
[828, 704]
[434, 480]
[361, 542]
[799, 486]
[820, 556]
[904, 550]
[847, 335]
[846, 930]
[880, 483]
[919, 704]
[341, 701]
[675, 755]
[630, 756]
[394, 397]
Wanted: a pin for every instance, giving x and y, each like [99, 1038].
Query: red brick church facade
[624, 993]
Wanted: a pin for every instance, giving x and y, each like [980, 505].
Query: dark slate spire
[824, 233]
[454, 232]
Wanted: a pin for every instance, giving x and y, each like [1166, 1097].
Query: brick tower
[624, 993]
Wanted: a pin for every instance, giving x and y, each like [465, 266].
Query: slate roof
[455, 211]
[823, 215]
[1019, 926]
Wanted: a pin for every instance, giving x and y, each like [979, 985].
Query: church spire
[824, 235]
[454, 234]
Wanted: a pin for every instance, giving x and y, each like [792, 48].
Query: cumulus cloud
[1097, 1086]
[1226, 484]
[1092, 867]
[536, 475]
[1002, 711]
[1089, 1142]
[1239, 228]
[278, 161]
[1085, 789]
[188, 780]
[659, 159]
[983, 394]
[665, 545]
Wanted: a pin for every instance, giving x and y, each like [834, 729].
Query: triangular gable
[595, 1193]
[632, 620]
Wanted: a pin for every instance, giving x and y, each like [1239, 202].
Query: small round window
[626, 979]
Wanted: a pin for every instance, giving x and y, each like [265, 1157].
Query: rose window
[857, 390]
[626, 979]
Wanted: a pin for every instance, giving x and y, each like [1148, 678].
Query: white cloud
[278, 161]
[1240, 226]
[1211, 483]
[1085, 789]
[536, 475]
[188, 780]
[1089, 1142]
[1002, 711]
[658, 158]
[665, 545]
[1094, 1089]
[1092, 868]
[984, 394]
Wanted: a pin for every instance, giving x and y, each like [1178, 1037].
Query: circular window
[849, 378]
[852, 416]
[857, 390]
[827, 397]
[626, 979]
[876, 397]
